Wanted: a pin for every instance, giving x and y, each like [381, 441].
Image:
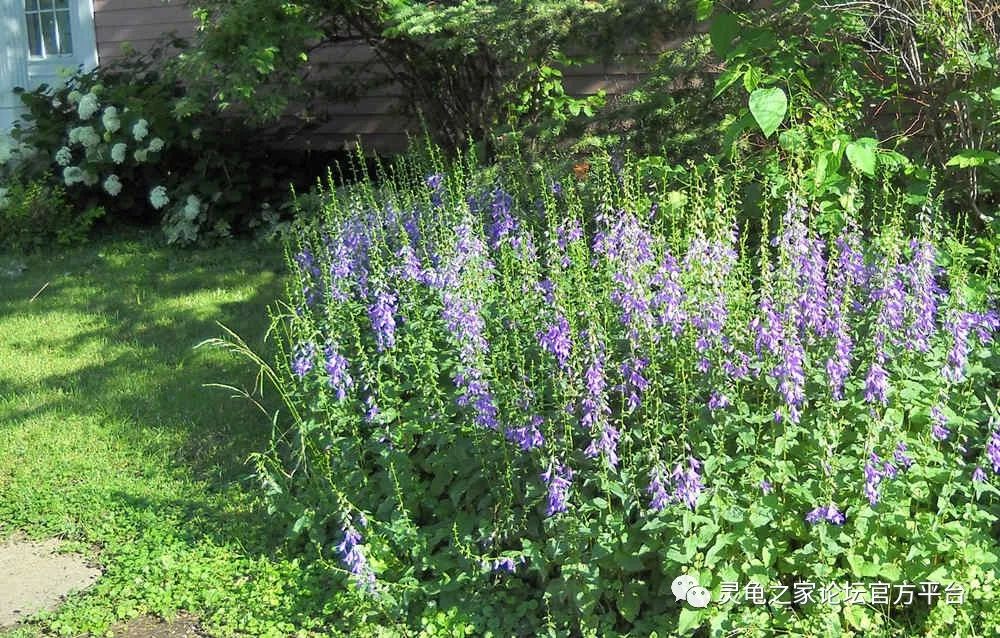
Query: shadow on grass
[111, 329]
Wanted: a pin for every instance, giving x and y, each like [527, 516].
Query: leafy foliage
[910, 76]
[33, 213]
[474, 67]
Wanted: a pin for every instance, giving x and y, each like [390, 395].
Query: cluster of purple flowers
[961, 324]
[310, 274]
[877, 470]
[381, 313]
[993, 451]
[829, 513]
[557, 340]
[558, 479]
[818, 307]
[353, 558]
[596, 412]
[629, 248]
[338, 371]
[684, 481]
[939, 421]
[527, 437]
[304, 359]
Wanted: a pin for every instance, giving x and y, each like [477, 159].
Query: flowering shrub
[542, 406]
[127, 140]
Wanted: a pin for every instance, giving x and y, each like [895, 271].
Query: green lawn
[109, 439]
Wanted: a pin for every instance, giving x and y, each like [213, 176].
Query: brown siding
[141, 23]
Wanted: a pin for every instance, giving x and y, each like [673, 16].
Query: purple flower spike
[901, 456]
[558, 479]
[838, 367]
[381, 313]
[718, 401]
[504, 564]
[352, 556]
[924, 292]
[337, 371]
[595, 404]
[877, 383]
[305, 355]
[634, 383]
[939, 420]
[687, 483]
[993, 451]
[657, 490]
[557, 340]
[527, 437]
[873, 477]
[434, 181]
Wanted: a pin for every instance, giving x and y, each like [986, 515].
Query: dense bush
[907, 76]
[125, 138]
[35, 212]
[477, 67]
[531, 409]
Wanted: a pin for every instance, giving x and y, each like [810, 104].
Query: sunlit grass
[110, 439]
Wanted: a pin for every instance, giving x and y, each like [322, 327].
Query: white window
[48, 26]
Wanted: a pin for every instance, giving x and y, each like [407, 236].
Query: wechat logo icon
[686, 587]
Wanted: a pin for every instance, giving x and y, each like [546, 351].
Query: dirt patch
[33, 578]
[148, 627]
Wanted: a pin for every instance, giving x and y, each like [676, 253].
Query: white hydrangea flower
[118, 152]
[56, 103]
[192, 207]
[141, 155]
[89, 137]
[155, 145]
[112, 185]
[140, 130]
[64, 156]
[72, 175]
[158, 197]
[111, 120]
[88, 106]
[74, 97]
[84, 135]
[196, 134]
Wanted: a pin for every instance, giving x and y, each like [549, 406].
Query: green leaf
[703, 9]
[752, 78]
[727, 79]
[792, 140]
[722, 32]
[970, 158]
[861, 155]
[768, 107]
[689, 620]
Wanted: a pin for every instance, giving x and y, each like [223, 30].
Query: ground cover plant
[529, 408]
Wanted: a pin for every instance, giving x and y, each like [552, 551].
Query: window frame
[53, 11]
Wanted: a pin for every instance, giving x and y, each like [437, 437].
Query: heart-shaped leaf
[768, 107]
